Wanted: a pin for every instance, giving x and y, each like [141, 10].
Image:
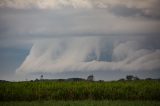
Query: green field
[43, 90]
[82, 103]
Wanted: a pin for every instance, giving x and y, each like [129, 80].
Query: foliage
[82, 103]
[83, 90]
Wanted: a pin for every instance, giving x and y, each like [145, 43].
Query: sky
[75, 38]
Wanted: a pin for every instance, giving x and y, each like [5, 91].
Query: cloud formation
[87, 54]
[86, 35]
[148, 8]
[29, 24]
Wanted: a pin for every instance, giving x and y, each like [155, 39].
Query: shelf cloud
[85, 54]
[80, 36]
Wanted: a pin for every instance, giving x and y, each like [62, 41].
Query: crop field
[81, 103]
[115, 90]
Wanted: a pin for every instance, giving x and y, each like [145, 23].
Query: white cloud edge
[128, 56]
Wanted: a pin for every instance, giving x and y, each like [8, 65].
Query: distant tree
[101, 81]
[41, 77]
[90, 78]
[148, 79]
[3, 81]
[129, 77]
[122, 79]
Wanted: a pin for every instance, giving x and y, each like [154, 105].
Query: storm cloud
[85, 54]
[148, 8]
[102, 36]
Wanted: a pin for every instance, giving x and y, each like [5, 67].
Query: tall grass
[126, 90]
[81, 103]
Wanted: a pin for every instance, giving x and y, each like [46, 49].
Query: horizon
[83, 79]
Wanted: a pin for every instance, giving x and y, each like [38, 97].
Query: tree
[122, 79]
[90, 78]
[129, 77]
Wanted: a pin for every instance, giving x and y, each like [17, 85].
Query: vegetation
[82, 103]
[82, 90]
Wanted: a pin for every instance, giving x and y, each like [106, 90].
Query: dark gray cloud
[60, 23]
[124, 11]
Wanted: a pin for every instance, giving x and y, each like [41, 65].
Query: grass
[118, 90]
[81, 103]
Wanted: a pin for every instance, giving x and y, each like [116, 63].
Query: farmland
[83, 90]
[81, 103]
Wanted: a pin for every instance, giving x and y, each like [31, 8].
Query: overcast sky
[75, 38]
